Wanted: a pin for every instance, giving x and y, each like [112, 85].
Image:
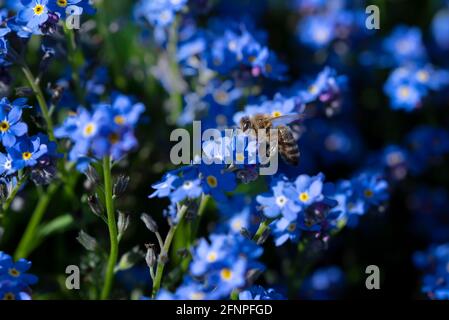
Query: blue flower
[14, 279]
[309, 189]
[6, 166]
[216, 182]
[159, 13]
[178, 185]
[16, 271]
[108, 130]
[33, 14]
[76, 7]
[260, 293]
[284, 230]
[11, 126]
[281, 200]
[440, 28]
[324, 284]
[26, 152]
[224, 263]
[405, 45]
[316, 31]
[434, 262]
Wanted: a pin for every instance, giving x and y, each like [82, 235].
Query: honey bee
[288, 147]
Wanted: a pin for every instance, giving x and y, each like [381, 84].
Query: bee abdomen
[288, 147]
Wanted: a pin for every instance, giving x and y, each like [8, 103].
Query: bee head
[245, 123]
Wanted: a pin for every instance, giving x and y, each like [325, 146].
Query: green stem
[76, 59]
[201, 209]
[112, 225]
[172, 47]
[27, 242]
[40, 99]
[262, 227]
[164, 252]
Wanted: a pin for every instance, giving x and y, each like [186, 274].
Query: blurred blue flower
[324, 284]
[433, 263]
[440, 28]
[260, 293]
[316, 31]
[405, 44]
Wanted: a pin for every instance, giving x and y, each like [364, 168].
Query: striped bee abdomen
[288, 147]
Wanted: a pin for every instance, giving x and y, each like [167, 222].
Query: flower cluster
[325, 23]
[41, 16]
[22, 151]
[414, 76]
[433, 263]
[14, 280]
[160, 13]
[310, 205]
[224, 264]
[324, 284]
[106, 131]
[191, 181]
[260, 293]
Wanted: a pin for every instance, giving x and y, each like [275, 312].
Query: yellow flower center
[268, 68]
[313, 89]
[291, 227]
[304, 196]
[9, 296]
[237, 225]
[423, 76]
[14, 272]
[368, 193]
[221, 97]
[89, 129]
[26, 155]
[4, 126]
[240, 157]
[226, 274]
[404, 92]
[114, 138]
[38, 9]
[197, 296]
[212, 181]
[212, 257]
[277, 114]
[251, 59]
[62, 3]
[120, 120]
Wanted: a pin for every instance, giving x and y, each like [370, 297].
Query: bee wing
[286, 119]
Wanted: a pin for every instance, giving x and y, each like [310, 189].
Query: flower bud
[123, 222]
[95, 205]
[149, 222]
[120, 185]
[150, 256]
[88, 242]
[92, 175]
